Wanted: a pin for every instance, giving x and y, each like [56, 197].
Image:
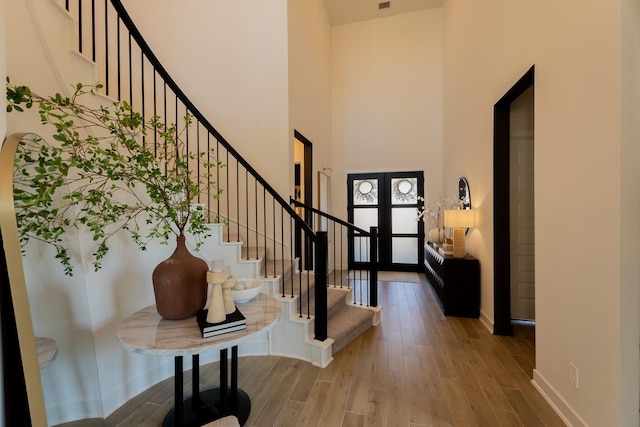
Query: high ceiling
[346, 11]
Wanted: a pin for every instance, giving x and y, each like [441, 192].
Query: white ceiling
[346, 11]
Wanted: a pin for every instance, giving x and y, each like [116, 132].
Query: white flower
[433, 209]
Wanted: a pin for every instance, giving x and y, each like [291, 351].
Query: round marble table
[146, 332]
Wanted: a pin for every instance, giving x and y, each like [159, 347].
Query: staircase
[293, 336]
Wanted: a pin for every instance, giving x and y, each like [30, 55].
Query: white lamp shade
[461, 218]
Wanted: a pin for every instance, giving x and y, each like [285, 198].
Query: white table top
[146, 332]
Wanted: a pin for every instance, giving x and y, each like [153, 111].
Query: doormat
[398, 276]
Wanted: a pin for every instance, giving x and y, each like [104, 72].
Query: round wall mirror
[464, 195]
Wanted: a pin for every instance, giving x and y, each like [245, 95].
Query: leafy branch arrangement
[110, 170]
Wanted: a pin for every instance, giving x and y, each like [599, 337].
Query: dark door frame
[501, 215]
[308, 167]
[308, 197]
[385, 235]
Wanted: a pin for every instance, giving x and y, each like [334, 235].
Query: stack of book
[446, 249]
[234, 322]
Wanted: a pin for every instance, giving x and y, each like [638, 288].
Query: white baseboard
[486, 321]
[557, 402]
[156, 369]
[67, 411]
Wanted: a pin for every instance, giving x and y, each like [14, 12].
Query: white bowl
[252, 289]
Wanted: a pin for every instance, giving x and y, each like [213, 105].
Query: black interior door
[386, 200]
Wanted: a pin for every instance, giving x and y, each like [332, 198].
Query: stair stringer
[293, 336]
[376, 319]
[215, 247]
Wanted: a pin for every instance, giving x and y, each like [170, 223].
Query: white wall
[586, 292]
[230, 58]
[387, 100]
[256, 69]
[310, 80]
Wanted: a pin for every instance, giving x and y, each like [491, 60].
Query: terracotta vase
[180, 283]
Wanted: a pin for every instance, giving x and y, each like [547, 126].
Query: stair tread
[348, 316]
[334, 297]
[348, 323]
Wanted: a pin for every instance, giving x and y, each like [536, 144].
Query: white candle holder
[217, 312]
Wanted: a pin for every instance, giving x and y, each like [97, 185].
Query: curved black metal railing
[256, 214]
[339, 232]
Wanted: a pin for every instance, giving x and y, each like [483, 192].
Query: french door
[387, 201]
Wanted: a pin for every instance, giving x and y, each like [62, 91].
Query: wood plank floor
[418, 368]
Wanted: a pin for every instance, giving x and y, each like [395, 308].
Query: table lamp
[459, 220]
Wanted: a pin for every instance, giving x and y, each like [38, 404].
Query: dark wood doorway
[501, 205]
[303, 192]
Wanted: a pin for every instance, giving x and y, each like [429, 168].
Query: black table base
[208, 409]
[208, 405]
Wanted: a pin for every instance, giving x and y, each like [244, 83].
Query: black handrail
[329, 217]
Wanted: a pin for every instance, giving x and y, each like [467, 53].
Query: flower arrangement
[434, 210]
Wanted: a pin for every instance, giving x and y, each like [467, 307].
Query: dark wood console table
[456, 282]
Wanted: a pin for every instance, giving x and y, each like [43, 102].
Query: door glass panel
[365, 192]
[403, 221]
[365, 218]
[405, 250]
[361, 249]
[404, 191]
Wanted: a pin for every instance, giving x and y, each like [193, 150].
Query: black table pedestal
[208, 405]
[209, 409]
